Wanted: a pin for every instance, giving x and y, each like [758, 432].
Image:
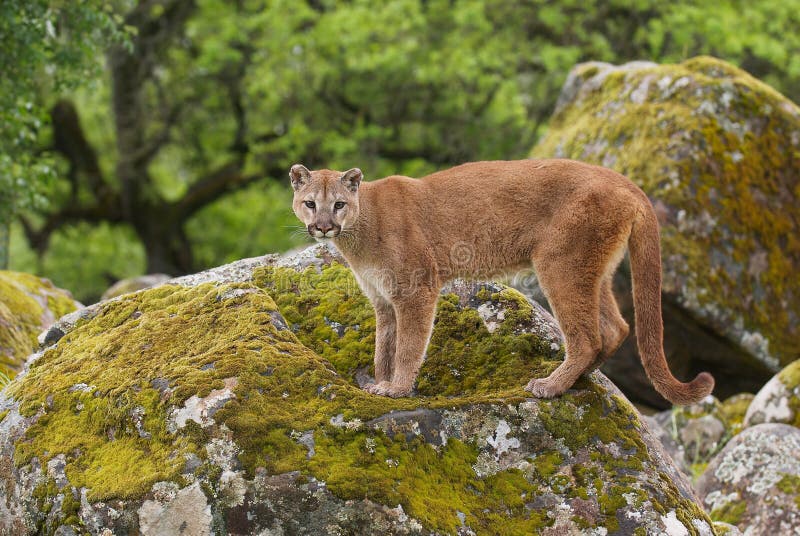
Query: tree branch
[40, 238]
[225, 179]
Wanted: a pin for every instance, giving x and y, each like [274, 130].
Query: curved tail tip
[696, 390]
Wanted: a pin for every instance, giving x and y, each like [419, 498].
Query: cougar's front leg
[385, 339]
[414, 324]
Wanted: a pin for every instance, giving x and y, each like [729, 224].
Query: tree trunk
[166, 246]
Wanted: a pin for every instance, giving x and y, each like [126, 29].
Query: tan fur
[404, 238]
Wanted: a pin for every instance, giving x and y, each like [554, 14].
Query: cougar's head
[326, 201]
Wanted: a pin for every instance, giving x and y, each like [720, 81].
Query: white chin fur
[318, 235]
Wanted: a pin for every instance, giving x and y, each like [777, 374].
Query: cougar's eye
[339, 205]
[310, 204]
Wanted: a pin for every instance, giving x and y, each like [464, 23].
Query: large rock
[132, 284]
[227, 402]
[717, 152]
[28, 305]
[779, 400]
[754, 482]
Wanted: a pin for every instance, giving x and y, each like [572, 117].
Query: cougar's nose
[324, 228]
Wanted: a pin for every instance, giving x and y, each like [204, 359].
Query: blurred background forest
[155, 136]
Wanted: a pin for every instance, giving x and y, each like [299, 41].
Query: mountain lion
[404, 238]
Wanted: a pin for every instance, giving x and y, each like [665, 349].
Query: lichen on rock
[238, 388]
[754, 482]
[28, 305]
[718, 152]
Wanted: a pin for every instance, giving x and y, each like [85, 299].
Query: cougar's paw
[386, 388]
[544, 388]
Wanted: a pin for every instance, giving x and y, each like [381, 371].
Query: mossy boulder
[28, 305]
[779, 400]
[228, 402]
[718, 153]
[754, 482]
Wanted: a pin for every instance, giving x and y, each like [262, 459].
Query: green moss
[330, 315]
[168, 335]
[733, 162]
[590, 415]
[70, 506]
[731, 513]
[60, 305]
[192, 339]
[316, 303]
[548, 463]
[732, 412]
[433, 484]
[464, 358]
[20, 320]
[697, 469]
[688, 510]
[790, 485]
[23, 315]
[44, 494]
[722, 529]
[790, 377]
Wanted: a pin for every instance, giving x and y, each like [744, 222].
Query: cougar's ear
[352, 178]
[300, 176]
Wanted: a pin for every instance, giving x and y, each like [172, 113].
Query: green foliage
[83, 258]
[761, 37]
[87, 258]
[254, 221]
[47, 47]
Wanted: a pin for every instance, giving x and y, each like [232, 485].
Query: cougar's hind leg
[613, 328]
[574, 298]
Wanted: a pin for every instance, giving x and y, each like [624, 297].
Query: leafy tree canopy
[176, 159]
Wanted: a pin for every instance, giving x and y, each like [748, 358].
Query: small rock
[187, 513]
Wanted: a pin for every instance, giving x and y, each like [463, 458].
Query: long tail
[646, 275]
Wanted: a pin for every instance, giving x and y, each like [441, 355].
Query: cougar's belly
[485, 260]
